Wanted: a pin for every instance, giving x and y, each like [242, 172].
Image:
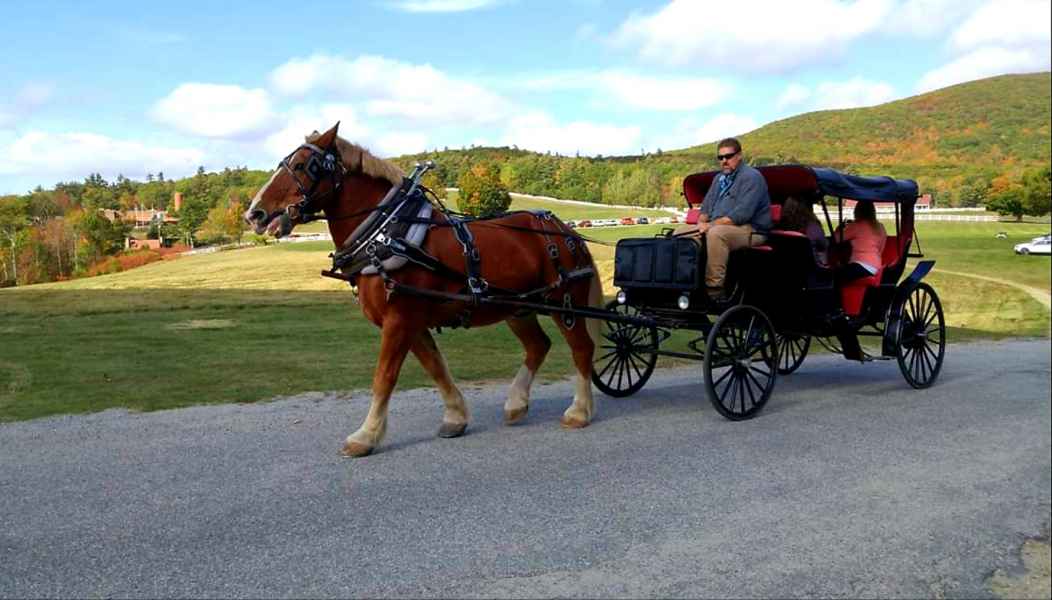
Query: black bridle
[322, 164]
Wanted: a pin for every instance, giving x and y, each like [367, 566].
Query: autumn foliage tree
[481, 191]
[223, 224]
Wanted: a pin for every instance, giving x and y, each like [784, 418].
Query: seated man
[736, 213]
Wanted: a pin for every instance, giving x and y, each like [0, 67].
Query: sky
[141, 87]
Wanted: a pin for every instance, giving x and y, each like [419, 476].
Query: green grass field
[251, 324]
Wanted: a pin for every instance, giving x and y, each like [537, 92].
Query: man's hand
[703, 226]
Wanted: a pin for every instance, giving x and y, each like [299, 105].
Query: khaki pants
[720, 241]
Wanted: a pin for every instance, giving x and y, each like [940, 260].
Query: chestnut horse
[511, 259]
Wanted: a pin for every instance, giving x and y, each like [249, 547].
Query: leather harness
[383, 237]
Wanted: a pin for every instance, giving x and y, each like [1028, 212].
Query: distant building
[139, 218]
[924, 202]
[134, 244]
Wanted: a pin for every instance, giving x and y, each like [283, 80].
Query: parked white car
[1038, 245]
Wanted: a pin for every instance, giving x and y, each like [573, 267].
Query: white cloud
[537, 131]
[667, 94]
[437, 6]
[690, 132]
[34, 94]
[1000, 37]
[829, 95]
[25, 101]
[758, 35]
[1006, 23]
[624, 88]
[794, 95]
[929, 18]
[47, 156]
[853, 93]
[393, 89]
[302, 120]
[216, 111]
[984, 62]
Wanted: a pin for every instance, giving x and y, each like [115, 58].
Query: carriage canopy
[814, 182]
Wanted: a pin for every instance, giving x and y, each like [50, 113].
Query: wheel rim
[792, 349]
[625, 355]
[741, 361]
[922, 337]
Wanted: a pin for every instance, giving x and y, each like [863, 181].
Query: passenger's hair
[730, 143]
[797, 215]
[866, 212]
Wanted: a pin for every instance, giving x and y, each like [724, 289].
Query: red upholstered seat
[852, 294]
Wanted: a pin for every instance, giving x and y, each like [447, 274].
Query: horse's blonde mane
[360, 160]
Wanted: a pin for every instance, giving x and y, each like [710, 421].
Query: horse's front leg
[455, 415]
[536, 344]
[395, 342]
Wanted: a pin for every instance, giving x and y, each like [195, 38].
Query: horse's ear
[327, 138]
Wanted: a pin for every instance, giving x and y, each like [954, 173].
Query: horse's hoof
[512, 417]
[452, 430]
[571, 423]
[356, 450]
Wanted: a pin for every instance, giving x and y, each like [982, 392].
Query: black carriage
[783, 300]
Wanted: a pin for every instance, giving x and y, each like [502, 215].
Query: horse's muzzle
[257, 219]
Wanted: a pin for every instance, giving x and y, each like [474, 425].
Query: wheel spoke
[914, 360]
[925, 367]
[607, 368]
[728, 390]
[766, 374]
[934, 357]
[635, 367]
[759, 387]
[722, 377]
[762, 344]
[621, 372]
[742, 384]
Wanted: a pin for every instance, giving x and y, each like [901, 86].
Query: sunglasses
[726, 156]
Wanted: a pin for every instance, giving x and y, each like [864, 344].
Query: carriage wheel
[625, 356]
[792, 349]
[741, 362]
[922, 337]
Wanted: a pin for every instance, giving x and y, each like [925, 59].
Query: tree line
[62, 232]
[59, 233]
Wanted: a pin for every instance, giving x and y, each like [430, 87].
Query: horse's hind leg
[582, 341]
[536, 344]
[394, 346]
[455, 416]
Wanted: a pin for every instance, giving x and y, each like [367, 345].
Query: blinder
[321, 164]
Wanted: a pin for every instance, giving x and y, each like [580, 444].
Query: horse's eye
[297, 167]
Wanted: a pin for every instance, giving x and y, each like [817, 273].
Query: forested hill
[964, 136]
[989, 121]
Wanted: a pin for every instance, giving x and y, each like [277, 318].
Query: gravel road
[850, 483]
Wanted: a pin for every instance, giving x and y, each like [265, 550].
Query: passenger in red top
[867, 237]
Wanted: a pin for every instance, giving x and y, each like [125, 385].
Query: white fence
[965, 218]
